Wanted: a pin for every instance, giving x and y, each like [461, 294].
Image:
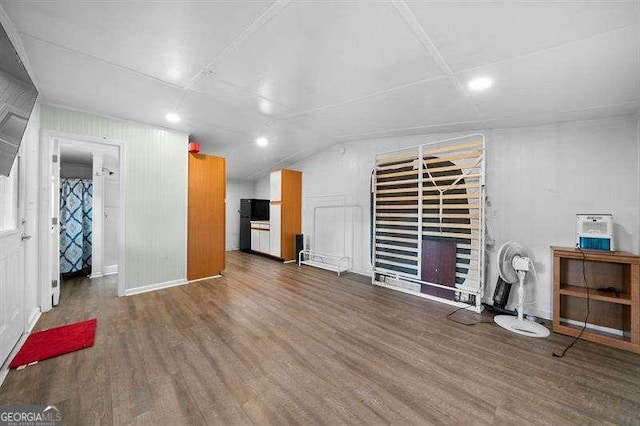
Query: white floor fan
[513, 265]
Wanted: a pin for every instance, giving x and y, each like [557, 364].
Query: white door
[276, 226]
[12, 323]
[255, 240]
[264, 241]
[54, 249]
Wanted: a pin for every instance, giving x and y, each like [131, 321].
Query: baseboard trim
[110, 270]
[96, 275]
[154, 287]
[35, 316]
[205, 278]
[364, 272]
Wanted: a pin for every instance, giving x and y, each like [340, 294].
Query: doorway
[86, 208]
[76, 211]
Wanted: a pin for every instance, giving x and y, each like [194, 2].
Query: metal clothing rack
[329, 262]
[338, 263]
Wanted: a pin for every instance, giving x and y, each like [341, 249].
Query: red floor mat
[56, 341]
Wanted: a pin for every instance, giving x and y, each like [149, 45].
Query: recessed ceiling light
[262, 141]
[172, 117]
[480, 83]
[174, 73]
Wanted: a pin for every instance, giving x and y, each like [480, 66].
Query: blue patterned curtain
[75, 224]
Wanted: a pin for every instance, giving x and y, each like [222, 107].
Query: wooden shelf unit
[616, 318]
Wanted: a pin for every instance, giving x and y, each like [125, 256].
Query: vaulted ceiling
[308, 74]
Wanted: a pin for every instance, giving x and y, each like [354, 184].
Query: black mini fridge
[251, 209]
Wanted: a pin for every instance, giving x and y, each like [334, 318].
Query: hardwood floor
[277, 344]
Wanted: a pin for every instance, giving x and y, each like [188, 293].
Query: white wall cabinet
[275, 188]
[260, 237]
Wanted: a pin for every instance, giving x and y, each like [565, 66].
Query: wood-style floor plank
[278, 344]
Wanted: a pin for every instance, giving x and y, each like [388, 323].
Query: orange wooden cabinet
[614, 317]
[206, 216]
[285, 215]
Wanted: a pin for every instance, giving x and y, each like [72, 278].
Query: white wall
[538, 178]
[73, 170]
[236, 189]
[262, 188]
[155, 191]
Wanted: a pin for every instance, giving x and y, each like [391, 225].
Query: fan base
[524, 327]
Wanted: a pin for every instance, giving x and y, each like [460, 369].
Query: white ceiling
[307, 74]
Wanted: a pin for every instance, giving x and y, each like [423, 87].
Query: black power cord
[450, 314]
[586, 318]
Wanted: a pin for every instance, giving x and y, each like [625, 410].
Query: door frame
[21, 220]
[19, 186]
[45, 243]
